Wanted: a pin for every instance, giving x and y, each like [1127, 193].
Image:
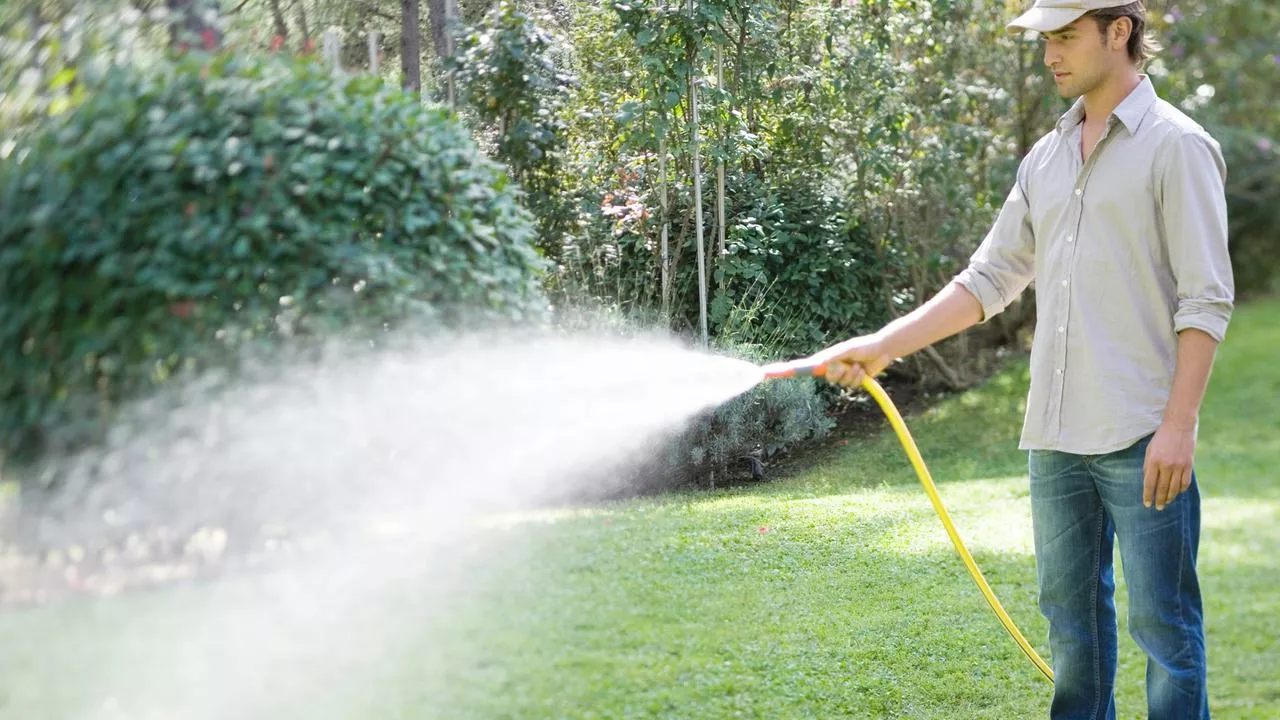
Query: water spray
[816, 368]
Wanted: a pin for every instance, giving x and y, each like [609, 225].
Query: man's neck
[1104, 99]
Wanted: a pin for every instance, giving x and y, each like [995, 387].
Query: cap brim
[1045, 19]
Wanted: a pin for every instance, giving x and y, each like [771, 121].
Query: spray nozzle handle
[803, 366]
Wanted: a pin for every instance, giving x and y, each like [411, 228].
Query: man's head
[1089, 41]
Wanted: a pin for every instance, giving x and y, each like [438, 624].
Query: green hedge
[182, 214]
[799, 273]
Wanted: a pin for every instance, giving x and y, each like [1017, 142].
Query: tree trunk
[189, 22]
[332, 49]
[302, 24]
[438, 13]
[282, 28]
[720, 163]
[697, 191]
[411, 45]
[666, 228]
[33, 16]
[441, 14]
[741, 46]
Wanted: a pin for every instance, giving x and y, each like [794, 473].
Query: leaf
[62, 79]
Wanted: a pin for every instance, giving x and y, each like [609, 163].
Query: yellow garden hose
[922, 472]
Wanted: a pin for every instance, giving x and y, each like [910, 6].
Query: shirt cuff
[1208, 315]
[984, 290]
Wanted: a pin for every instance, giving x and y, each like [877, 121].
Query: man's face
[1078, 57]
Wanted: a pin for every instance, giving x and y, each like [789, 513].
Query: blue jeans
[1080, 505]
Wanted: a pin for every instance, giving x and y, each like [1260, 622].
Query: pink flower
[763, 529]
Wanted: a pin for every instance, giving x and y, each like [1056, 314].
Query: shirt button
[1066, 283]
[1071, 238]
[1079, 192]
[1058, 371]
[1062, 328]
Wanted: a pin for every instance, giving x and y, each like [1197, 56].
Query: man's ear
[1119, 32]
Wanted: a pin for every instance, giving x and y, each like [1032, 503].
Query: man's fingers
[844, 373]
[856, 376]
[1174, 487]
[1162, 487]
[1165, 486]
[1183, 482]
[1149, 476]
[835, 372]
[1178, 484]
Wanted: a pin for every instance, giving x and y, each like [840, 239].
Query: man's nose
[1051, 56]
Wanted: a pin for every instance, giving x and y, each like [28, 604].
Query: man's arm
[1192, 201]
[1171, 454]
[998, 272]
[1196, 350]
[949, 312]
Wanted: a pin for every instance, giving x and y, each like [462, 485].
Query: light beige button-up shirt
[1126, 250]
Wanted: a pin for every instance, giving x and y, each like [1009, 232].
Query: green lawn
[834, 593]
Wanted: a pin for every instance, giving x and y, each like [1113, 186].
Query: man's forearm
[1196, 350]
[952, 310]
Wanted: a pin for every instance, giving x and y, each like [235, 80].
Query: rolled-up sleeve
[1004, 264]
[1193, 209]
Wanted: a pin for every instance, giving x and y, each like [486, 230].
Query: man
[1119, 216]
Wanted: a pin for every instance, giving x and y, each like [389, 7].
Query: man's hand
[852, 360]
[1166, 471]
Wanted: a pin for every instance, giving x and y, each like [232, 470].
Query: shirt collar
[1130, 111]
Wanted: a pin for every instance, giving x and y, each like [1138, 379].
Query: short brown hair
[1142, 42]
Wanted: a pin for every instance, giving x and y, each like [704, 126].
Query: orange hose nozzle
[803, 366]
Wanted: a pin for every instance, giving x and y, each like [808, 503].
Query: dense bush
[739, 438]
[1253, 209]
[771, 418]
[798, 274]
[184, 212]
[508, 77]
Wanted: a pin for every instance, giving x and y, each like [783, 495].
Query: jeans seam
[1094, 584]
[1184, 511]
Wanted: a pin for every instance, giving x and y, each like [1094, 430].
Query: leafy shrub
[201, 206]
[809, 272]
[506, 72]
[1253, 209]
[770, 419]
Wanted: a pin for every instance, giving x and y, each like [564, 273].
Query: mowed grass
[831, 594]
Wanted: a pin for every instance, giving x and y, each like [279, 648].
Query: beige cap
[1050, 15]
